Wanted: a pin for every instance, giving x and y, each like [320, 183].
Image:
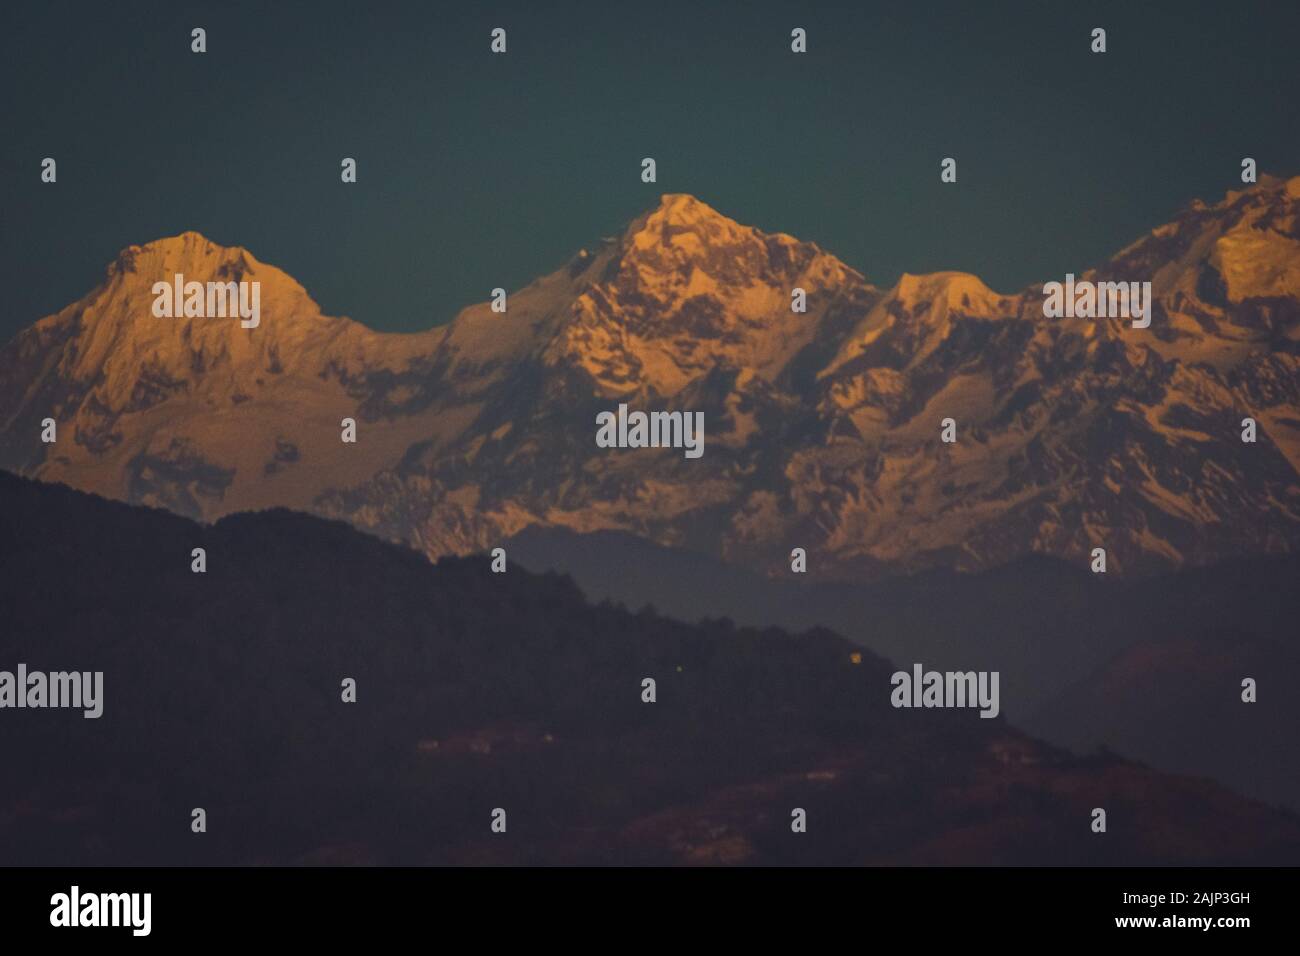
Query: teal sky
[478, 171]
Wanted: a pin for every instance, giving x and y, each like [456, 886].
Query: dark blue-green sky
[479, 170]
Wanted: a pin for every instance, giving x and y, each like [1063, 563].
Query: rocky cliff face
[822, 429]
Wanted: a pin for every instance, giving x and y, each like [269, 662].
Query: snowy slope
[822, 428]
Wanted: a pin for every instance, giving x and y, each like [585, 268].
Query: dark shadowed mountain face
[822, 428]
[1174, 703]
[478, 691]
[1150, 668]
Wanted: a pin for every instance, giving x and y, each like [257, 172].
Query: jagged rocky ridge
[822, 429]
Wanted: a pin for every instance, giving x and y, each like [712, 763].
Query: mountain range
[822, 427]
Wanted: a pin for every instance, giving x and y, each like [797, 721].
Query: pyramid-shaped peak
[684, 208]
[680, 219]
[682, 236]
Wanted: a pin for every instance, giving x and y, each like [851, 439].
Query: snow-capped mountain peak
[822, 425]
